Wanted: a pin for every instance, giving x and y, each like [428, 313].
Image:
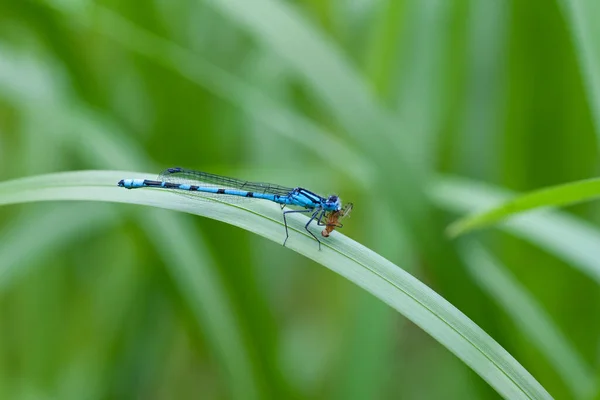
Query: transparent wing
[198, 178]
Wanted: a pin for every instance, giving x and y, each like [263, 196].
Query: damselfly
[207, 185]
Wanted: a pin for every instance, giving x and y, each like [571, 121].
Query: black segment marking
[174, 170]
[152, 183]
[249, 194]
[221, 191]
[193, 187]
[171, 185]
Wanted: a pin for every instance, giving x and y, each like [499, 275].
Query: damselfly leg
[317, 211]
[314, 215]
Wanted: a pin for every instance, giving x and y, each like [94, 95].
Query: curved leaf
[582, 16]
[530, 318]
[367, 269]
[569, 238]
[553, 196]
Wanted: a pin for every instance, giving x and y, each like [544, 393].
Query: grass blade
[281, 120]
[565, 236]
[331, 76]
[561, 195]
[36, 233]
[531, 319]
[315, 58]
[181, 247]
[365, 268]
[101, 141]
[582, 15]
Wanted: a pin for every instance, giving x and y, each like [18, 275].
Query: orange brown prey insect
[333, 218]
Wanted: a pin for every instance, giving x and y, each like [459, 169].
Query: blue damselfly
[203, 184]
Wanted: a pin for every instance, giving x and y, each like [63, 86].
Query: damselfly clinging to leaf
[207, 185]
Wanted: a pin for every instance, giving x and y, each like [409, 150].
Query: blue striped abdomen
[140, 183]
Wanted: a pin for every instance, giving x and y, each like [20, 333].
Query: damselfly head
[333, 203]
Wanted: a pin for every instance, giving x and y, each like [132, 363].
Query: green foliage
[554, 196]
[419, 112]
[368, 270]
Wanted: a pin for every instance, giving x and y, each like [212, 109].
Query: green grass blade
[365, 268]
[223, 331]
[330, 75]
[100, 141]
[37, 233]
[582, 16]
[561, 195]
[380, 62]
[531, 319]
[368, 117]
[374, 323]
[569, 238]
[282, 120]
[181, 247]
[314, 57]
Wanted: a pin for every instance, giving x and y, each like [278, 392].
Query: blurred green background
[381, 101]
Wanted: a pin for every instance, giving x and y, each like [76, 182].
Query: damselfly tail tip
[126, 183]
